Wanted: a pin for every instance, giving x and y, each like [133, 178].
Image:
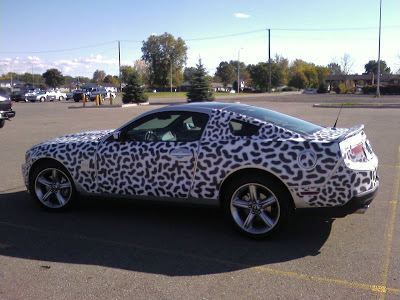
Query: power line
[61, 50]
[211, 37]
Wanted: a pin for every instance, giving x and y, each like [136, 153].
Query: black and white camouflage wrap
[317, 163]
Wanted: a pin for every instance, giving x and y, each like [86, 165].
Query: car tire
[2, 123]
[76, 100]
[42, 99]
[257, 206]
[61, 98]
[52, 187]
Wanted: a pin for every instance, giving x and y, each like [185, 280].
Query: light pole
[170, 69]
[269, 60]
[378, 92]
[238, 70]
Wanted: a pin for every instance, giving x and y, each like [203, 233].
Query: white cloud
[241, 16]
[84, 66]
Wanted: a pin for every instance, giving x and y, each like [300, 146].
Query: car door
[153, 156]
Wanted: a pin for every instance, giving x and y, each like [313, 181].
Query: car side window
[243, 129]
[167, 127]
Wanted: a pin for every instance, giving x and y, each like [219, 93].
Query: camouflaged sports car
[260, 165]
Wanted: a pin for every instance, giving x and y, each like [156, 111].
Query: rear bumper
[358, 204]
[7, 114]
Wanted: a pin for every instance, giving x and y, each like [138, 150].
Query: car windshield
[282, 120]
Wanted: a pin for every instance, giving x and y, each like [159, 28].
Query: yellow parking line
[390, 228]
[382, 289]
[374, 288]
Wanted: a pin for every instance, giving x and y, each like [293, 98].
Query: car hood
[78, 138]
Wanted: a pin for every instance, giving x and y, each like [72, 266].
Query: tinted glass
[167, 127]
[243, 129]
[282, 120]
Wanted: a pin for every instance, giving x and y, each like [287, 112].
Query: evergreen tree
[134, 92]
[200, 86]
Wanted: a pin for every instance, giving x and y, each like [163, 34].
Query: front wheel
[42, 99]
[52, 186]
[257, 206]
[61, 98]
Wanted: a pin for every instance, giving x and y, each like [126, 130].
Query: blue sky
[78, 37]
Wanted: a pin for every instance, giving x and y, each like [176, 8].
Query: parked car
[18, 96]
[6, 111]
[70, 95]
[39, 96]
[78, 95]
[94, 92]
[310, 91]
[261, 166]
[91, 94]
[56, 95]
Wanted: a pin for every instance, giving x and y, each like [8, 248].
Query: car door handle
[181, 153]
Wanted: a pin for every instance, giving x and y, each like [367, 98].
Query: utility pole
[238, 77]
[269, 60]
[170, 69]
[378, 81]
[11, 79]
[119, 66]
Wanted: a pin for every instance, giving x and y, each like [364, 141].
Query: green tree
[242, 67]
[200, 86]
[162, 55]
[134, 91]
[188, 73]
[312, 76]
[260, 75]
[322, 73]
[305, 75]
[226, 73]
[98, 76]
[125, 72]
[111, 79]
[53, 78]
[372, 67]
[298, 80]
[335, 68]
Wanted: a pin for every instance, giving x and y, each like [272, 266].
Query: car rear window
[243, 129]
[279, 119]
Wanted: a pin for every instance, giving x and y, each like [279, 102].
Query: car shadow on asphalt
[152, 238]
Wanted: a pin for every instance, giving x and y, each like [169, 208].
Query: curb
[371, 105]
[110, 106]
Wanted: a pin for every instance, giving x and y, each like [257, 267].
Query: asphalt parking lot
[132, 250]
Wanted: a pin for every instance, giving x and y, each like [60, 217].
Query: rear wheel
[42, 99]
[2, 123]
[61, 98]
[257, 206]
[52, 186]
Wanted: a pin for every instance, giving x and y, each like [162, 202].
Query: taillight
[357, 149]
[357, 154]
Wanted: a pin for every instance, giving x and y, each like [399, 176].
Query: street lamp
[378, 92]
[238, 67]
